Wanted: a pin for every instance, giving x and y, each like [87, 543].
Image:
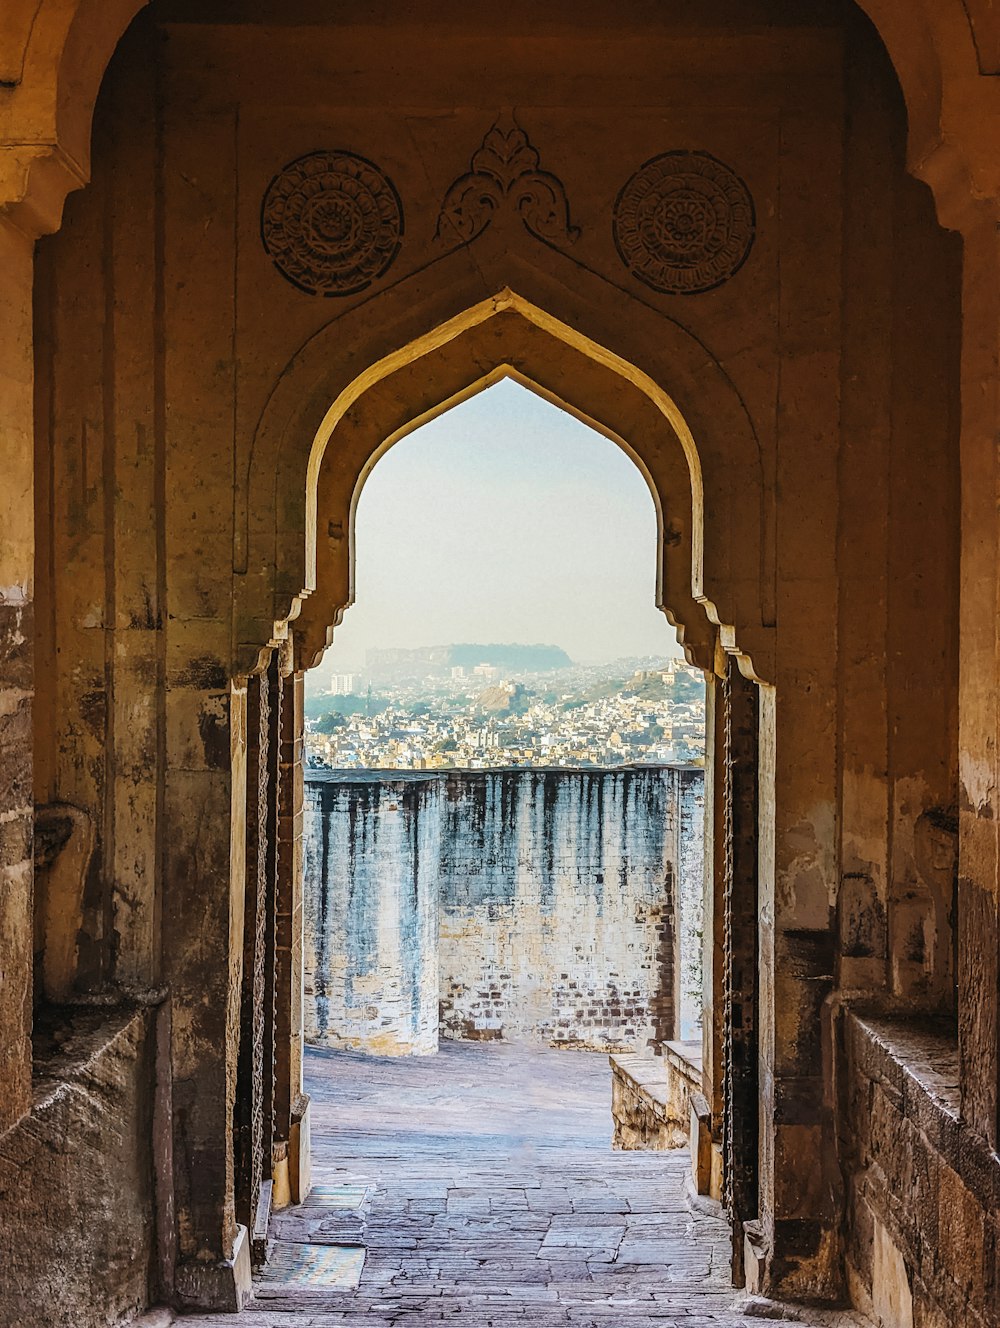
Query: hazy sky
[505, 520]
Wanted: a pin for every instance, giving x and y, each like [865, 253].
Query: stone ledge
[924, 1188]
[650, 1096]
[70, 1041]
[73, 1223]
[915, 1062]
[685, 1058]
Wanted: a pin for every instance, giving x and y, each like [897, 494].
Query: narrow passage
[483, 1187]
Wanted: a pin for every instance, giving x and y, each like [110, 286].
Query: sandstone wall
[539, 905]
[798, 420]
[923, 1228]
[78, 1235]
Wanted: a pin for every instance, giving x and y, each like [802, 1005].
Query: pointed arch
[325, 428]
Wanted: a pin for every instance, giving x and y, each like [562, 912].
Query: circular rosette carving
[684, 223]
[332, 223]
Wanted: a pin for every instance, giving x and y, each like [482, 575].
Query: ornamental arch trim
[337, 436]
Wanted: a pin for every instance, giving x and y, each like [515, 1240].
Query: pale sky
[505, 520]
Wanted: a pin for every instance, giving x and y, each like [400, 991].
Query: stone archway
[270, 542]
[508, 336]
[719, 582]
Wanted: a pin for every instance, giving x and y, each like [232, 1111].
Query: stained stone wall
[370, 902]
[561, 897]
[537, 905]
[77, 1185]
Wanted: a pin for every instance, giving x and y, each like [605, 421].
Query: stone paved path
[495, 1200]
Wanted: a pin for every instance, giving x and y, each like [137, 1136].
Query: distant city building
[629, 712]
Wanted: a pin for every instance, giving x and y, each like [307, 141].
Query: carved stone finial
[684, 223]
[504, 173]
[332, 223]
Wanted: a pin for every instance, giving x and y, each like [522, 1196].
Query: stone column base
[225, 1286]
[300, 1152]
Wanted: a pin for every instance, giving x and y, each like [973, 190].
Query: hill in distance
[515, 658]
[512, 658]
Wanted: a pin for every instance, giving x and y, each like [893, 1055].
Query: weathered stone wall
[539, 905]
[650, 1097]
[923, 1226]
[184, 500]
[370, 898]
[78, 1234]
[561, 895]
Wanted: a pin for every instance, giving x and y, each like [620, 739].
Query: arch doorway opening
[504, 876]
[505, 752]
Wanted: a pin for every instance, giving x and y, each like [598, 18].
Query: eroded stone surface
[537, 905]
[76, 1183]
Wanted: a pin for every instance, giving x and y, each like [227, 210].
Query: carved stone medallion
[504, 172]
[332, 223]
[684, 223]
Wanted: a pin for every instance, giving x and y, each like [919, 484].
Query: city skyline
[504, 520]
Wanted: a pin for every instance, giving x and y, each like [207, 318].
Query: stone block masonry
[545, 906]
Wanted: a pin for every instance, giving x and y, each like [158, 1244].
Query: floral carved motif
[684, 223]
[331, 222]
[504, 172]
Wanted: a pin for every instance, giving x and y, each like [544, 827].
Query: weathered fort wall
[538, 905]
[372, 849]
[77, 1186]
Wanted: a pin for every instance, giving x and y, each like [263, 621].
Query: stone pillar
[253, 1109]
[17, 551]
[863, 540]
[133, 444]
[291, 1123]
[801, 1190]
[979, 669]
[800, 1180]
[713, 955]
[204, 877]
[268, 1068]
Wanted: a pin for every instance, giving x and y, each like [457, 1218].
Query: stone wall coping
[917, 1052]
[70, 1042]
[686, 1056]
[915, 1062]
[647, 1074]
[391, 775]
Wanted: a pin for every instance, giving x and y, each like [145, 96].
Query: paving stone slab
[486, 1205]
